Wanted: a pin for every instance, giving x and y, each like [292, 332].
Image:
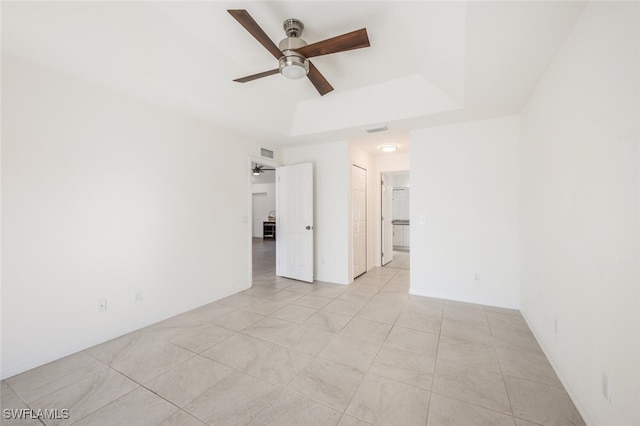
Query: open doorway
[396, 222]
[281, 245]
[263, 220]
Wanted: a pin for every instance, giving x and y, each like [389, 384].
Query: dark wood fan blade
[349, 41]
[257, 76]
[321, 84]
[243, 17]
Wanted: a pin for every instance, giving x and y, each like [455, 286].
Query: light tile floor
[292, 353]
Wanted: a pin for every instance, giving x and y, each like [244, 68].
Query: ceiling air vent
[377, 128]
[266, 153]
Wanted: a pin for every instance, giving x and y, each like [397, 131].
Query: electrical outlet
[477, 277]
[606, 389]
[556, 326]
[102, 305]
[138, 296]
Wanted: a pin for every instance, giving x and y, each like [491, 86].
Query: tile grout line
[495, 351]
[23, 401]
[435, 365]
[376, 355]
[344, 412]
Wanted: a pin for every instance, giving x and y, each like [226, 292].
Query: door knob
[308, 227]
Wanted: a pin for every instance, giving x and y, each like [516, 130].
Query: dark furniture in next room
[269, 230]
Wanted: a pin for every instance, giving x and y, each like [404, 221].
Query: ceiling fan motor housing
[292, 64]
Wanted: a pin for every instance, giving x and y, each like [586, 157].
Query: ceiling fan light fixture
[388, 147]
[293, 66]
[256, 170]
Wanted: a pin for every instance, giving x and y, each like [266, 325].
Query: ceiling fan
[293, 53]
[258, 169]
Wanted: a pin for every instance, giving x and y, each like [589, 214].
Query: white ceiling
[430, 63]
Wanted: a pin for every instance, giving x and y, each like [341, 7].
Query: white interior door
[387, 217]
[359, 212]
[294, 222]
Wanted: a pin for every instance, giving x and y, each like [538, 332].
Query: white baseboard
[459, 298]
[567, 386]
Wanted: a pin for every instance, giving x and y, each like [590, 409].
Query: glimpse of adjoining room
[396, 219]
[401, 219]
[263, 220]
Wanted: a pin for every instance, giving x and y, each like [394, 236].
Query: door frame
[381, 173]
[385, 177]
[366, 224]
[248, 219]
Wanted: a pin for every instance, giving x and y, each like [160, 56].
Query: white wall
[102, 196]
[464, 212]
[401, 180]
[392, 162]
[580, 194]
[331, 210]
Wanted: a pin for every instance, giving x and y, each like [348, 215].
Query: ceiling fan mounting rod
[293, 27]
